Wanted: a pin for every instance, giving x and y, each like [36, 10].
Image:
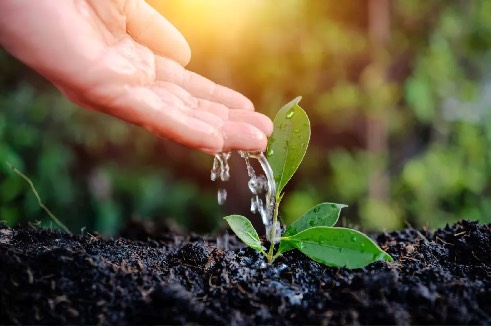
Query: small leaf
[243, 228]
[338, 247]
[325, 214]
[288, 143]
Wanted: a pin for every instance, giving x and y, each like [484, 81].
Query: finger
[199, 86]
[151, 29]
[215, 108]
[209, 118]
[242, 136]
[164, 118]
[164, 89]
[256, 119]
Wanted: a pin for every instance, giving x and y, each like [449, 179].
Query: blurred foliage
[430, 86]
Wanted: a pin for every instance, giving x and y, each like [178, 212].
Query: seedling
[314, 233]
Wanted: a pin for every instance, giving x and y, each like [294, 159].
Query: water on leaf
[290, 113]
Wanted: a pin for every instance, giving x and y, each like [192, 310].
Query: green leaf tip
[244, 230]
[288, 143]
[292, 103]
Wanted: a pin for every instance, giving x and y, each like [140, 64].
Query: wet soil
[440, 277]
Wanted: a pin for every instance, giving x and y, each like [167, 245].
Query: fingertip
[186, 53]
[243, 136]
[212, 149]
[256, 119]
[268, 126]
[248, 105]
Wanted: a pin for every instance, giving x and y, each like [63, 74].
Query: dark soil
[441, 277]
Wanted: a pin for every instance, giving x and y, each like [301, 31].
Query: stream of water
[262, 186]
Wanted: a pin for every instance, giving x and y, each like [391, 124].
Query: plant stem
[40, 202]
[270, 257]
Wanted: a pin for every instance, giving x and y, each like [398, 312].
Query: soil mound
[441, 277]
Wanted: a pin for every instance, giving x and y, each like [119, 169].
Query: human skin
[122, 58]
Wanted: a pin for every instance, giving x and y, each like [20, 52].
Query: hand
[121, 57]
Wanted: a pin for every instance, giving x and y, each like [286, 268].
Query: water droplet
[214, 169]
[296, 130]
[258, 185]
[253, 186]
[290, 114]
[354, 238]
[270, 152]
[222, 196]
[281, 268]
[253, 205]
[225, 175]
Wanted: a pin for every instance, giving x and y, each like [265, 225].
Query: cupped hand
[121, 57]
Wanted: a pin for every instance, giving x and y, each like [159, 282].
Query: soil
[440, 277]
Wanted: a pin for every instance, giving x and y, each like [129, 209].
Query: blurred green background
[398, 93]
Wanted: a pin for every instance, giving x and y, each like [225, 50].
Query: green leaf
[325, 214]
[243, 228]
[288, 143]
[338, 247]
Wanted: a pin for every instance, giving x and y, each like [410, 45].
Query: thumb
[149, 28]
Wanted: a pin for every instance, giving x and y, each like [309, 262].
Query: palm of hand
[124, 59]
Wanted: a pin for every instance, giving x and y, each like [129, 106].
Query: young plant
[314, 233]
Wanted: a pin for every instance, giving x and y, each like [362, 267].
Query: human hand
[121, 57]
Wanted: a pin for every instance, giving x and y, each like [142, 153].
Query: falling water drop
[222, 196]
[221, 168]
[258, 185]
[225, 168]
[214, 169]
[254, 205]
